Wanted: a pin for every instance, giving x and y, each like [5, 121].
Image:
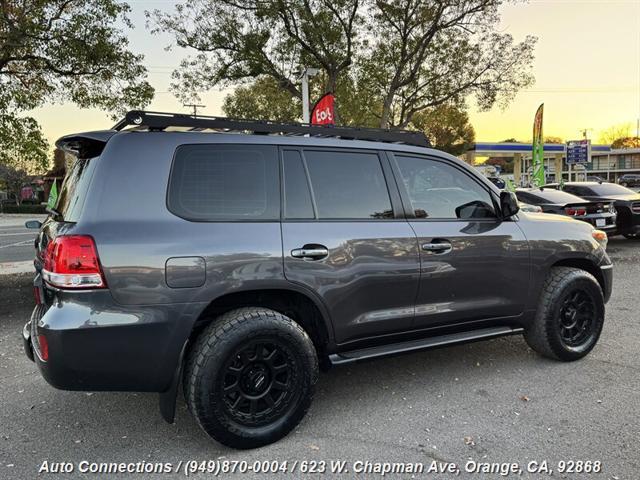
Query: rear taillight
[71, 261]
[575, 211]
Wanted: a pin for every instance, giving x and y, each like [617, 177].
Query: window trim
[277, 218]
[406, 200]
[387, 175]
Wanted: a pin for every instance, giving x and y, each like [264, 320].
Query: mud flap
[169, 397]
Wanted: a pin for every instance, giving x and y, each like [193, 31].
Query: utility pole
[306, 74]
[195, 107]
[584, 132]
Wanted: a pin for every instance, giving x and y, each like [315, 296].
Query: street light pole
[307, 73]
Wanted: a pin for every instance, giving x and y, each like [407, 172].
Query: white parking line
[8, 268]
[13, 234]
[23, 242]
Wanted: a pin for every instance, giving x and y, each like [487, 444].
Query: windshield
[74, 189]
[604, 189]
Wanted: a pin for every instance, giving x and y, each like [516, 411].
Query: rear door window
[225, 183]
[348, 185]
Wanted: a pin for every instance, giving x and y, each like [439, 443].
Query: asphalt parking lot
[494, 401]
[16, 241]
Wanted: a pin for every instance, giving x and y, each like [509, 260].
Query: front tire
[250, 377]
[570, 315]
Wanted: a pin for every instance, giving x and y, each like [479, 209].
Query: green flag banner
[538, 150]
[53, 196]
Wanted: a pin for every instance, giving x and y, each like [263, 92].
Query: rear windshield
[74, 189]
[553, 196]
[604, 189]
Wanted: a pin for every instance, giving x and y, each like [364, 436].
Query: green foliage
[384, 60]
[22, 144]
[447, 127]
[239, 41]
[626, 142]
[62, 50]
[12, 208]
[68, 50]
[264, 99]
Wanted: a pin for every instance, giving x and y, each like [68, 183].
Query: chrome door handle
[315, 253]
[437, 247]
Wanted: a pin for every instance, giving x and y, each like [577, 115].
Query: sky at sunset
[587, 71]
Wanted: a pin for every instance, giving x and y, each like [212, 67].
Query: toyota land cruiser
[236, 258]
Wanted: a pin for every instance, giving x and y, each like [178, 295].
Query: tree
[626, 142]
[447, 128]
[239, 41]
[54, 50]
[263, 99]
[22, 144]
[14, 179]
[505, 164]
[553, 139]
[399, 57]
[611, 134]
[430, 52]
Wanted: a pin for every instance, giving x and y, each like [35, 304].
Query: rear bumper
[97, 344]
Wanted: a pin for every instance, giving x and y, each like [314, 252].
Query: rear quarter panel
[135, 234]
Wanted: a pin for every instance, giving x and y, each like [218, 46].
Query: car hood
[549, 217]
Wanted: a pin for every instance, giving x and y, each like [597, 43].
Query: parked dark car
[626, 201]
[629, 180]
[498, 182]
[596, 178]
[601, 215]
[237, 264]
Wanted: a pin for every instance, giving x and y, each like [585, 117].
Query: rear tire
[570, 315]
[250, 377]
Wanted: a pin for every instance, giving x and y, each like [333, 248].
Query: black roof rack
[161, 121]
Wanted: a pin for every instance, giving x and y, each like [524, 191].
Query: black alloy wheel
[577, 318]
[259, 382]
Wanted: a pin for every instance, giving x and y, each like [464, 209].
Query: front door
[474, 265]
[344, 237]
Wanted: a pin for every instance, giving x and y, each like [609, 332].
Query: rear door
[345, 238]
[474, 266]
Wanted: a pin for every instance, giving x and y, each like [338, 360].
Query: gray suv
[236, 259]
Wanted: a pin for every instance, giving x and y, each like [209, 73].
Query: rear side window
[348, 185]
[225, 183]
[74, 189]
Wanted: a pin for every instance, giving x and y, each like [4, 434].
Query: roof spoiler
[85, 145]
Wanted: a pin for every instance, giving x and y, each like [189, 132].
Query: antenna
[195, 107]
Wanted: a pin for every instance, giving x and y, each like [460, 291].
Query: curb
[12, 268]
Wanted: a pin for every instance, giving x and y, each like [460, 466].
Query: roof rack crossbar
[161, 121]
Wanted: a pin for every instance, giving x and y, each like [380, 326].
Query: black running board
[421, 344]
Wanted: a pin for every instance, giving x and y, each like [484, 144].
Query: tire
[250, 377]
[570, 298]
[624, 184]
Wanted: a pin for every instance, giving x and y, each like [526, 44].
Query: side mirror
[508, 204]
[33, 224]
